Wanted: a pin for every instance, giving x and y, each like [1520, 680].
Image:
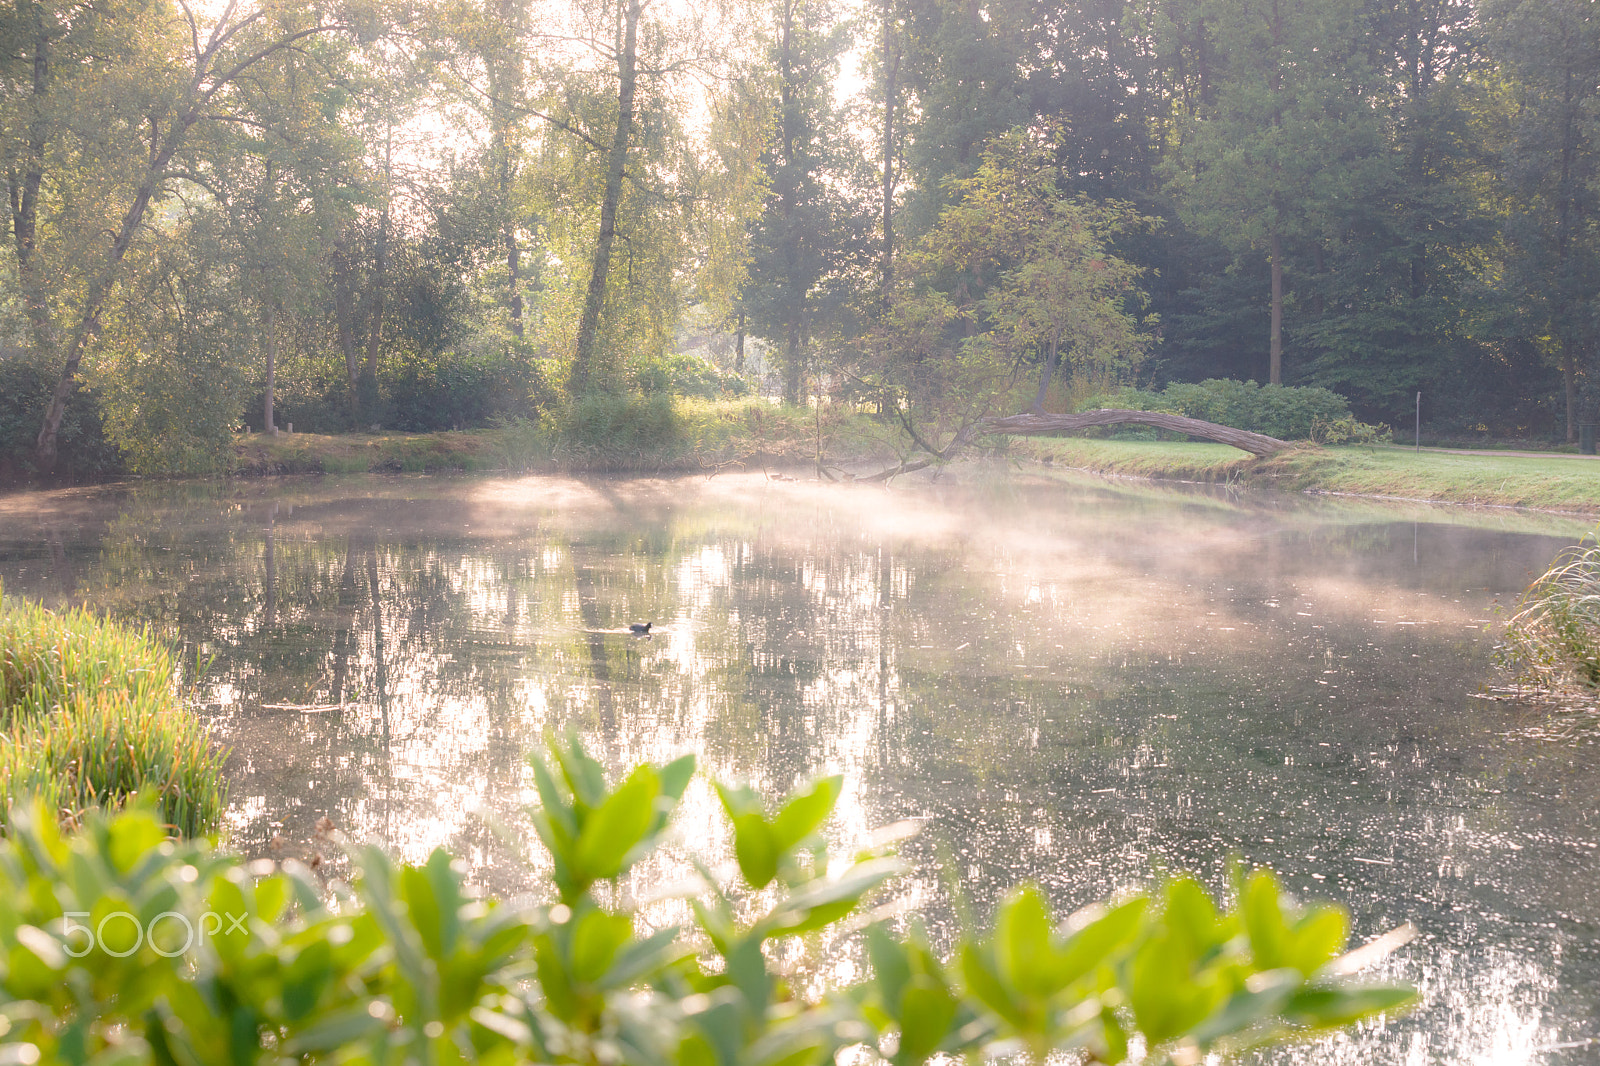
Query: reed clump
[1553, 639]
[90, 715]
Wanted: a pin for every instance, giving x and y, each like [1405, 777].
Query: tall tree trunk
[1275, 362]
[891, 70]
[594, 299]
[738, 347]
[269, 325]
[380, 265]
[505, 86]
[344, 323]
[100, 288]
[791, 363]
[25, 203]
[786, 179]
[1569, 381]
[1050, 365]
[513, 265]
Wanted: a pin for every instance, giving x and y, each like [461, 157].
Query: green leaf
[583, 775]
[1190, 914]
[1023, 952]
[1261, 906]
[610, 832]
[926, 1010]
[1092, 944]
[822, 902]
[756, 850]
[334, 1031]
[305, 979]
[675, 777]
[984, 985]
[1326, 1008]
[890, 967]
[1113, 1040]
[805, 812]
[1318, 939]
[595, 941]
[1269, 991]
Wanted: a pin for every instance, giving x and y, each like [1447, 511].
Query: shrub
[414, 971]
[414, 393]
[687, 374]
[456, 390]
[608, 431]
[91, 717]
[1282, 411]
[1553, 639]
[26, 386]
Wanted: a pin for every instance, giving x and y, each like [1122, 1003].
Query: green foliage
[1553, 639]
[90, 716]
[1034, 265]
[1282, 411]
[26, 385]
[603, 431]
[457, 388]
[414, 970]
[687, 374]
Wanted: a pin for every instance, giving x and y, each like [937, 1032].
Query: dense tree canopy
[421, 215]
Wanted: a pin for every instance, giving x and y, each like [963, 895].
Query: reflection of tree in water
[1096, 687]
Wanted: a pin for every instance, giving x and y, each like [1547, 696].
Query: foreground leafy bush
[120, 946]
[1282, 411]
[91, 716]
[1553, 639]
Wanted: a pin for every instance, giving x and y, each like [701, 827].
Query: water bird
[640, 628]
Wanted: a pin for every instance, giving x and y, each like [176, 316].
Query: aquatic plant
[125, 947]
[1553, 639]
[90, 715]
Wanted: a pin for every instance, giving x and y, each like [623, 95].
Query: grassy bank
[1553, 640]
[1557, 483]
[598, 435]
[89, 715]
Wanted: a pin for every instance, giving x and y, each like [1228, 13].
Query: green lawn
[1557, 482]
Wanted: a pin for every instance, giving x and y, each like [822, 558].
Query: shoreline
[1555, 485]
[1558, 485]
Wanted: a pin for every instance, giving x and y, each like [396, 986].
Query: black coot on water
[641, 628]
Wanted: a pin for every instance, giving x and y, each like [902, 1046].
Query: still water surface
[1066, 681]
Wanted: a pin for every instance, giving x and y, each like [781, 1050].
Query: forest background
[435, 214]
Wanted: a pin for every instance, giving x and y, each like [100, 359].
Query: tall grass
[89, 715]
[1553, 640]
[659, 433]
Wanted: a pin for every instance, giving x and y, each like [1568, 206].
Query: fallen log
[1036, 424]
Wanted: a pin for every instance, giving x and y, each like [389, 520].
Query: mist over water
[1064, 680]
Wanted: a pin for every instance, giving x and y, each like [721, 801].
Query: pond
[1064, 680]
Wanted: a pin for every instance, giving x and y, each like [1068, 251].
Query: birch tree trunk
[600, 267]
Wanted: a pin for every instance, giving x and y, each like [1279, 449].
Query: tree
[816, 223]
[1550, 52]
[1050, 288]
[1015, 273]
[1392, 299]
[1284, 138]
[961, 69]
[184, 80]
